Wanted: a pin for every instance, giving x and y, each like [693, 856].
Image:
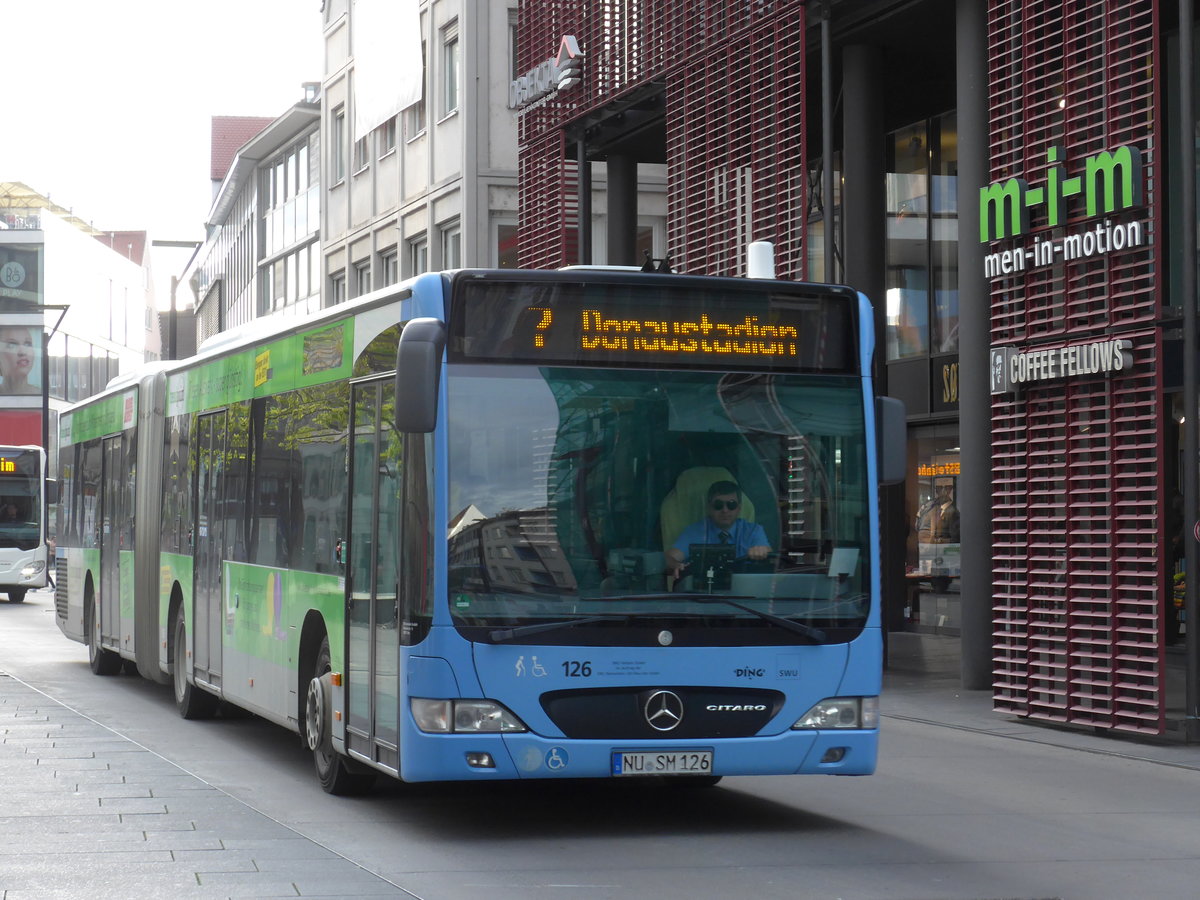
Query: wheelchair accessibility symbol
[556, 759]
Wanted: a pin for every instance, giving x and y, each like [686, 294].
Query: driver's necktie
[724, 537]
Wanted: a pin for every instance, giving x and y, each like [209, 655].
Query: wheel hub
[315, 713]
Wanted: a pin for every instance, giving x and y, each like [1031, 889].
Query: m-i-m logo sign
[1111, 182]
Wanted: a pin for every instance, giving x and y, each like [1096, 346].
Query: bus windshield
[601, 498]
[20, 499]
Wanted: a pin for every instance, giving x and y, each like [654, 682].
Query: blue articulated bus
[510, 525]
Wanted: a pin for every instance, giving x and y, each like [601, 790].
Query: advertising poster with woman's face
[20, 356]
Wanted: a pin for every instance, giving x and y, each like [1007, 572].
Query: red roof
[230, 134]
[130, 244]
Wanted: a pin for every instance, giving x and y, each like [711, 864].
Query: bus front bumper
[457, 757]
[24, 573]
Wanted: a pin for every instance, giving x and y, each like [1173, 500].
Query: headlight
[842, 712]
[34, 568]
[463, 717]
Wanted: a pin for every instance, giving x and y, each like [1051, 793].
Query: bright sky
[109, 106]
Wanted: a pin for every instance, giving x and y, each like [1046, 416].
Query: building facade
[1081, 488]
[76, 301]
[262, 253]
[1006, 181]
[429, 181]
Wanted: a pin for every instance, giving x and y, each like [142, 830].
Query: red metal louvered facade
[1077, 485]
[734, 119]
[1078, 490]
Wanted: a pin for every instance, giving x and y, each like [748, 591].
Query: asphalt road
[951, 813]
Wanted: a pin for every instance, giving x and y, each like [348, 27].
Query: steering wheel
[747, 565]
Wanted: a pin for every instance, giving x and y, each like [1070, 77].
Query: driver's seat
[685, 502]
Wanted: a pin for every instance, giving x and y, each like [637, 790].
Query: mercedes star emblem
[664, 710]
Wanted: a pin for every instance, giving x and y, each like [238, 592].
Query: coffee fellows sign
[1012, 368]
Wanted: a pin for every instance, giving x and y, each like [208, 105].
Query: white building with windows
[262, 252]
[412, 185]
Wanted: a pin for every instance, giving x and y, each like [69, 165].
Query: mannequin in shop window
[938, 535]
[937, 522]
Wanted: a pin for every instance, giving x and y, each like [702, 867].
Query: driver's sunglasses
[719, 505]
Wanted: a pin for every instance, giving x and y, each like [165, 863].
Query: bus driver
[721, 525]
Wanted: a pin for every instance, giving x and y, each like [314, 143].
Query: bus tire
[337, 774]
[16, 595]
[191, 701]
[101, 660]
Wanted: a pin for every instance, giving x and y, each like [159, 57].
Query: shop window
[933, 563]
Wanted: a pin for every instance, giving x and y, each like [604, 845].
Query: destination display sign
[22, 463]
[764, 326]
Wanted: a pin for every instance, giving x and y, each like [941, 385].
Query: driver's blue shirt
[742, 535]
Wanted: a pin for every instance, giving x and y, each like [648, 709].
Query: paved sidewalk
[923, 684]
[88, 813]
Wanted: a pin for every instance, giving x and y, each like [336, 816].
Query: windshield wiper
[507, 634]
[815, 634]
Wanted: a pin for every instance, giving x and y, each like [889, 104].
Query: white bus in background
[23, 555]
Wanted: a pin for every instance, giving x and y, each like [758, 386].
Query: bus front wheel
[337, 774]
[16, 595]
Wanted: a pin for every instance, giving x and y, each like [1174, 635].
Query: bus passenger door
[209, 551]
[373, 646]
[112, 518]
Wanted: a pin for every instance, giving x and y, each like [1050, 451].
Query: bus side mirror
[418, 371]
[51, 490]
[891, 430]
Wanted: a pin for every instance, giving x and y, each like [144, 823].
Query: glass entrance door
[373, 650]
